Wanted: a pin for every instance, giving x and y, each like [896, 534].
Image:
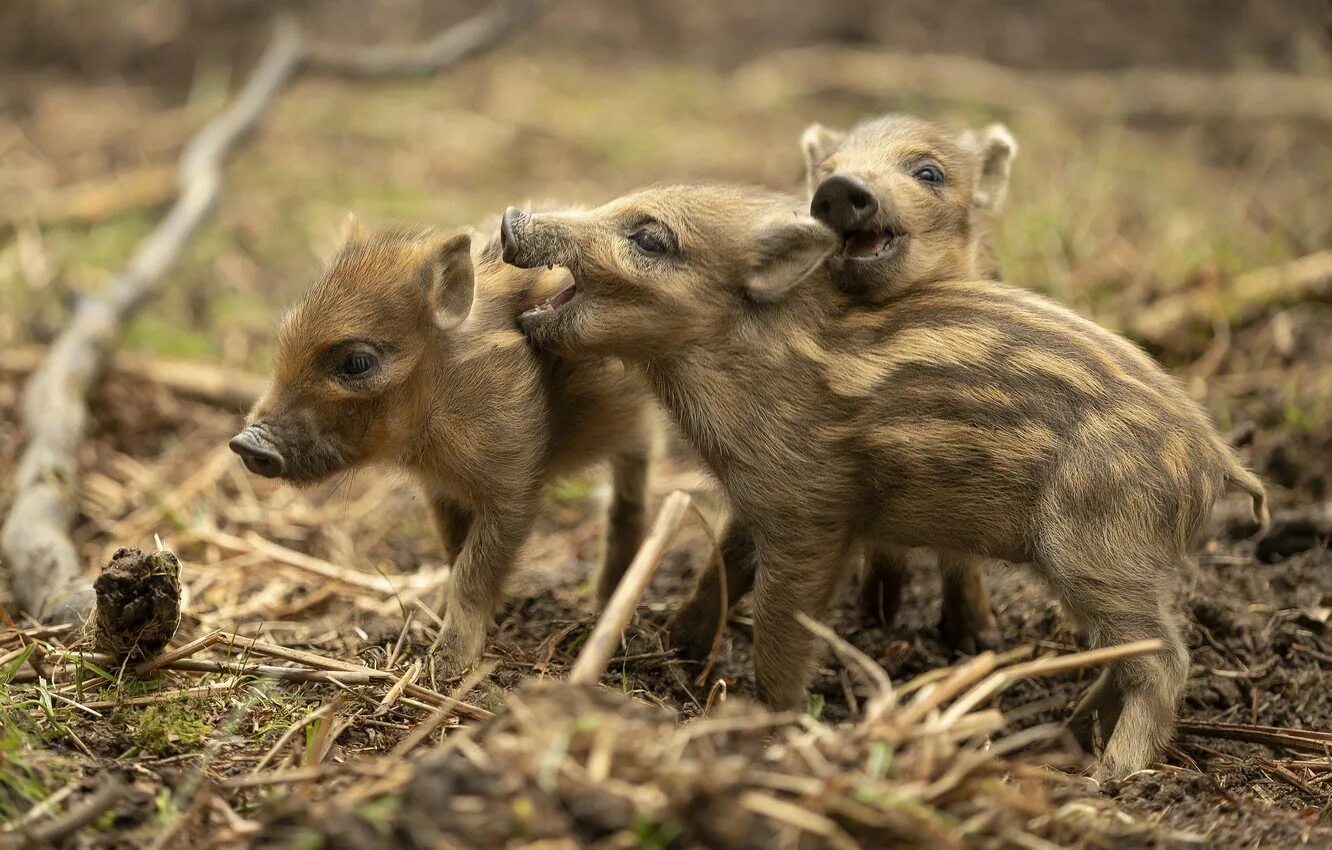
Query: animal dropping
[944, 412]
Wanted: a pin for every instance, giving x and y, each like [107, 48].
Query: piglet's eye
[648, 242]
[929, 174]
[358, 364]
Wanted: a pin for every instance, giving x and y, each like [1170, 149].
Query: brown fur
[875, 152]
[460, 401]
[1087, 461]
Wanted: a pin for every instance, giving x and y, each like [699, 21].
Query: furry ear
[786, 253]
[994, 148]
[352, 230]
[817, 142]
[450, 280]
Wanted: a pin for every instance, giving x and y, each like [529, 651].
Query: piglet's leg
[495, 536]
[625, 520]
[882, 582]
[451, 522]
[791, 578]
[694, 627]
[966, 621]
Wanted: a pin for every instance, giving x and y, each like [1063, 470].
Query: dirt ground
[1114, 215]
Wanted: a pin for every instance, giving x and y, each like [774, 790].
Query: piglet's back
[981, 385]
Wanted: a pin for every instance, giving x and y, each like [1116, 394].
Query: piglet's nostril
[259, 456]
[860, 200]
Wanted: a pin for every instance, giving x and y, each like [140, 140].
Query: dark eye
[358, 364]
[649, 242]
[929, 174]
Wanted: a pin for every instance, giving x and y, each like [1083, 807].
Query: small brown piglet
[874, 185]
[406, 352]
[956, 415]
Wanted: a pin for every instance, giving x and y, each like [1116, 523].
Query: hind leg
[625, 520]
[1119, 594]
[966, 619]
[694, 627]
[882, 583]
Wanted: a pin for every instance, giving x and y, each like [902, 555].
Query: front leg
[791, 579]
[693, 629]
[494, 537]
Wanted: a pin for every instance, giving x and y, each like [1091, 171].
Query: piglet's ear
[817, 143]
[352, 230]
[786, 253]
[450, 280]
[994, 148]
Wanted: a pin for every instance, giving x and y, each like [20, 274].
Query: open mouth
[871, 244]
[555, 302]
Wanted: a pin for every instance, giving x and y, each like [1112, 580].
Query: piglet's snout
[843, 203]
[530, 240]
[258, 452]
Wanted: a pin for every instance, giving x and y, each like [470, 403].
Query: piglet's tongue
[864, 243]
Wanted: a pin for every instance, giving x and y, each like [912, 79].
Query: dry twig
[605, 637]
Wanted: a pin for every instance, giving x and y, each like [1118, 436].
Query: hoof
[692, 633]
[965, 637]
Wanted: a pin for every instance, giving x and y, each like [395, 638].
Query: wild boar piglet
[913, 201]
[406, 352]
[957, 415]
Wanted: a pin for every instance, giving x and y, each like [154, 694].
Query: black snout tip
[843, 203]
[513, 218]
[259, 457]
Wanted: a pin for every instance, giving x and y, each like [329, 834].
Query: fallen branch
[875, 74]
[47, 576]
[1247, 298]
[1304, 740]
[605, 637]
[220, 387]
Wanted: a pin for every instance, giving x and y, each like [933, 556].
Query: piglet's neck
[707, 402]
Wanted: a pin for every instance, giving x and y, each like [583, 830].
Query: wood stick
[215, 385]
[300, 656]
[423, 730]
[883, 698]
[459, 42]
[1240, 95]
[145, 667]
[46, 573]
[1250, 295]
[1001, 679]
[252, 542]
[605, 637]
[1272, 736]
[163, 696]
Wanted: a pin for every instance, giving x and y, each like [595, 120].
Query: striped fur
[948, 231]
[957, 415]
